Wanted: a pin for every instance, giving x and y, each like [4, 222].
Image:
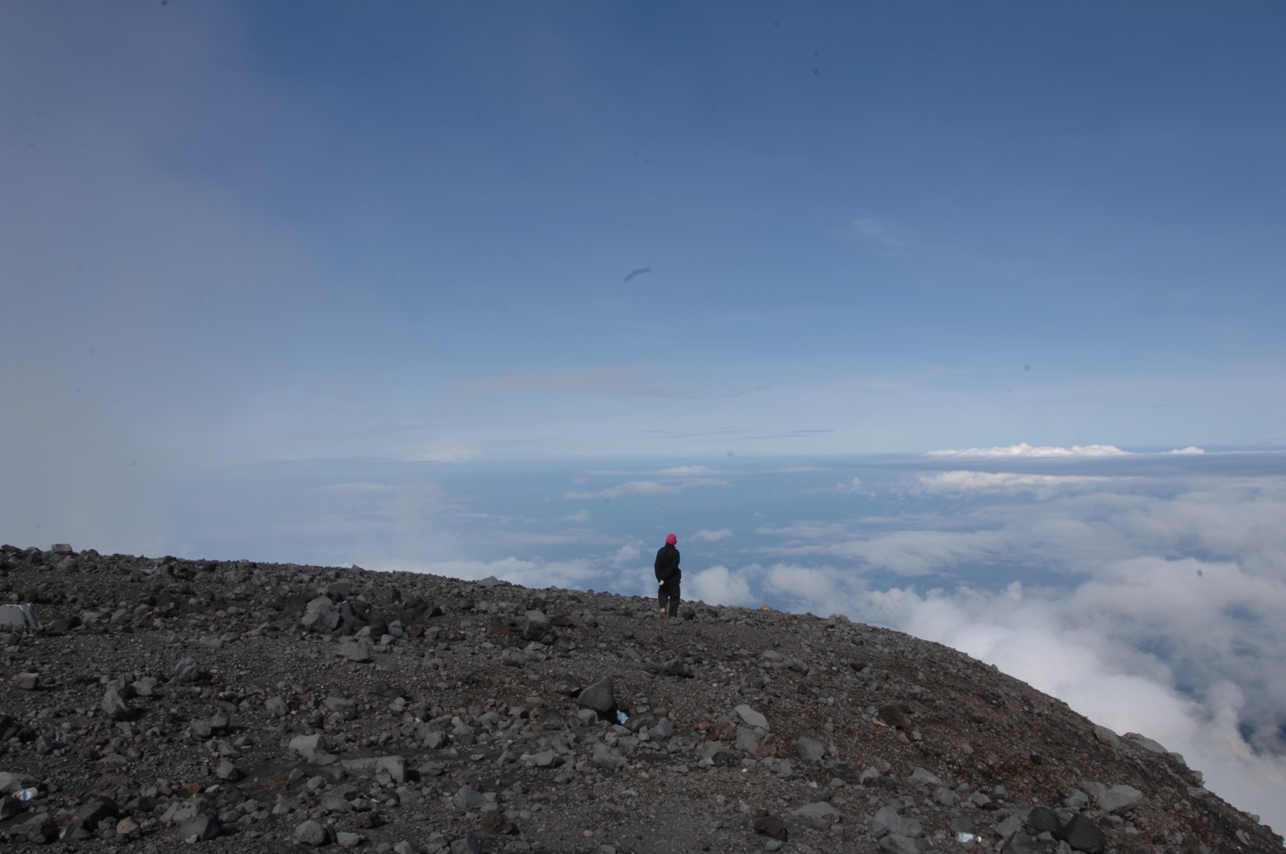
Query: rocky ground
[260, 707]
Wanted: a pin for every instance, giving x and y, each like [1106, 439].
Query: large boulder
[1118, 798]
[320, 615]
[598, 697]
[1083, 834]
[538, 626]
[199, 828]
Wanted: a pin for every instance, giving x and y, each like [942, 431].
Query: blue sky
[246, 232]
[518, 288]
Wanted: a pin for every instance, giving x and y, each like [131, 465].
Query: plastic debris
[22, 617]
[621, 717]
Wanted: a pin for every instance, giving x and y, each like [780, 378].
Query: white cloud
[581, 515]
[814, 586]
[1191, 449]
[719, 586]
[684, 470]
[1026, 450]
[854, 485]
[712, 536]
[628, 553]
[971, 481]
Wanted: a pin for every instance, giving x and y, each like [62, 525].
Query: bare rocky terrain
[243, 707]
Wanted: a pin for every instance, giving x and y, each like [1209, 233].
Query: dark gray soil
[159, 698]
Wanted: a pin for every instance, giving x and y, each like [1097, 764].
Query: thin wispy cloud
[1025, 450]
[706, 535]
[975, 481]
[874, 231]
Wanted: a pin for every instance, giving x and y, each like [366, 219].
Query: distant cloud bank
[971, 481]
[1026, 450]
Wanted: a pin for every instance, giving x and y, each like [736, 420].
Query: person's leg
[674, 600]
[661, 595]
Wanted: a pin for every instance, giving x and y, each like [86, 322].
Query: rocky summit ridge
[149, 705]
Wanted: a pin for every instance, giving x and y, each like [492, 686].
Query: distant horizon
[707, 456]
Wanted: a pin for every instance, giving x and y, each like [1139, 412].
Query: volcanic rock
[161, 700]
[598, 696]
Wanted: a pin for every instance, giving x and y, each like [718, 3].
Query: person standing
[667, 575]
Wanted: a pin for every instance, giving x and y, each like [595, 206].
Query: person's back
[667, 563]
[668, 575]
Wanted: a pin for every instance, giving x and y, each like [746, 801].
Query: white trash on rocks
[19, 617]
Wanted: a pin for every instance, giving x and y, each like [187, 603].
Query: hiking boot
[662, 613]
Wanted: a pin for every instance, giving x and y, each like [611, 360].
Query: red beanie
[671, 540]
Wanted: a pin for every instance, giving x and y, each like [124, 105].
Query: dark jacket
[667, 564]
